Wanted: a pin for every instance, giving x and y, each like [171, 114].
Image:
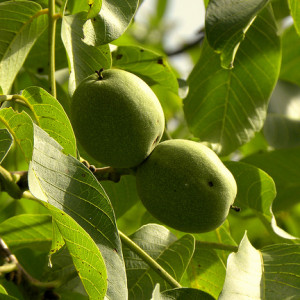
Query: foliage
[76, 229]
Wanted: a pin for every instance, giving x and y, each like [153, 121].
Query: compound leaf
[27, 230]
[150, 66]
[271, 273]
[257, 191]
[20, 127]
[84, 59]
[6, 141]
[172, 254]
[72, 190]
[21, 23]
[226, 24]
[295, 12]
[110, 23]
[227, 107]
[50, 116]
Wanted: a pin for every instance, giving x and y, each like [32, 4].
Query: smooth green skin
[186, 186]
[117, 119]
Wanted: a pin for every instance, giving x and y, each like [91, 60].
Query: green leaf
[206, 271]
[179, 294]
[68, 185]
[280, 165]
[37, 59]
[123, 195]
[50, 116]
[227, 107]
[111, 23]
[2, 290]
[21, 23]
[150, 66]
[20, 127]
[84, 59]
[85, 253]
[256, 191]
[95, 7]
[172, 254]
[6, 141]
[226, 23]
[290, 64]
[4, 295]
[57, 240]
[295, 12]
[1, 91]
[27, 231]
[272, 273]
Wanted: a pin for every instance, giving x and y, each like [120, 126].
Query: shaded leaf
[6, 141]
[256, 191]
[37, 59]
[111, 23]
[272, 273]
[148, 65]
[20, 127]
[280, 165]
[180, 294]
[290, 56]
[20, 26]
[84, 59]
[206, 271]
[27, 231]
[50, 116]
[123, 195]
[68, 185]
[172, 254]
[295, 12]
[226, 23]
[227, 107]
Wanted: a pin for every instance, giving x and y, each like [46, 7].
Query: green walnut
[186, 186]
[117, 118]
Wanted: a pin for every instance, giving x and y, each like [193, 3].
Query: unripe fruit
[117, 118]
[186, 186]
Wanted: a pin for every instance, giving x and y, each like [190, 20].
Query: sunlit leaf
[69, 186]
[150, 66]
[256, 191]
[84, 59]
[280, 165]
[95, 6]
[50, 116]
[172, 254]
[272, 273]
[179, 294]
[290, 56]
[226, 23]
[113, 20]
[295, 12]
[6, 141]
[20, 127]
[27, 230]
[206, 271]
[227, 107]
[21, 23]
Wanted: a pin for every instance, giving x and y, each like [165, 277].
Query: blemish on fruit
[142, 50]
[119, 56]
[210, 183]
[40, 70]
[156, 140]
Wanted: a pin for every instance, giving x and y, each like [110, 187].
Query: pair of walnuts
[119, 121]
